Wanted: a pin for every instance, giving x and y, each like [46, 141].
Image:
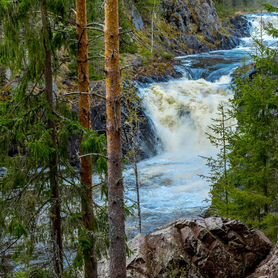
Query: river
[181, 111]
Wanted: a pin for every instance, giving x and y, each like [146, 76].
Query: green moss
[166, 29]
[34, 273]
[146, 55]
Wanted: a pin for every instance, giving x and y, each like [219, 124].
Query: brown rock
[204, 248]
[269, 267]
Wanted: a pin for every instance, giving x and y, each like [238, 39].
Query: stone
[146, 138]
[3, 172]
[241, 26]
[269, 267]
[136, 18]
[192, 249]
[200, 28]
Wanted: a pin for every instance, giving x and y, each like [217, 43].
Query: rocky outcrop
[180, 27]
[241, 27]
[192, 16]
[269, 267]
[144, 138]
[203, 248]
[135, 16]
[199, 26]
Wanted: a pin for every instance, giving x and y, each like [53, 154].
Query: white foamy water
[259, 32]
[181, 110]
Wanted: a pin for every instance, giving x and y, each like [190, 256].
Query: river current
[181, 111]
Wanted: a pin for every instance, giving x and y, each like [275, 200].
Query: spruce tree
[220, 135]
[252, 155]
[254, 148]
[117, 248]
[41, 194]
[32, 131]
[55, 211]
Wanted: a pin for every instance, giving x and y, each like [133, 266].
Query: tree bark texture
[55, 210]
[117, 250]
[90, 262]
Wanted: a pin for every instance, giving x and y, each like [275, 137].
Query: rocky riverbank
[203, 248]
[188, 26]
[178, 27]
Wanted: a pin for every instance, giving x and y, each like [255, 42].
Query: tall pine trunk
[55, 211]
[117, 249]
[90, 262]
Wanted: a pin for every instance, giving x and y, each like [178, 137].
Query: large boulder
[203, 248]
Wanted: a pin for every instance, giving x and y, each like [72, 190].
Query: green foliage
[33, 273]
[254, 155]
[146, 6]
[220, 134]
[270, 8]
[26, 140]
[252, 149]
[93, 143]
[228, 8]
[17, 229]
[146, 55]
[270, 225]
[127, 42]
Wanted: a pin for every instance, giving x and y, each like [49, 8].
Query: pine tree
[85, 120]
[117, 249]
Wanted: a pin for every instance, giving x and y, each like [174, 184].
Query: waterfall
[181, 111]
[259, 24]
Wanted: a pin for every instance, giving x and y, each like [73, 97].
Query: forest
[138, 139]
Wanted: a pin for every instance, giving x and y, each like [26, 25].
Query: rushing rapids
[181, 110]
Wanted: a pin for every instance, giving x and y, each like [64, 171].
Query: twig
[84, 93]
[93, 154]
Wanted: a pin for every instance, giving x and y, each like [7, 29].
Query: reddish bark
[117, 250]
[85, 120]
